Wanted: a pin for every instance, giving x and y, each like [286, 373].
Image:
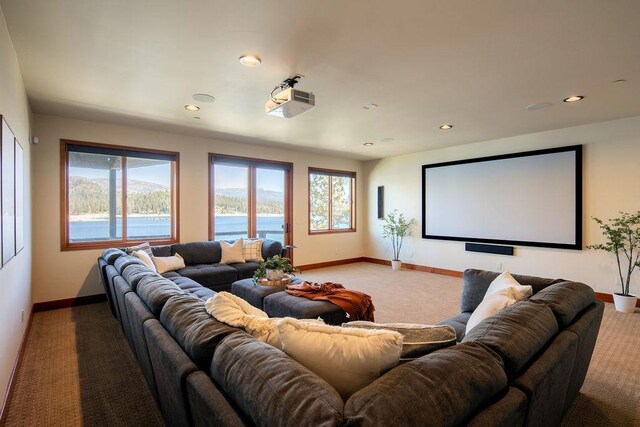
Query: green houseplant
[274, 268]
[623, 240]
[396, 227]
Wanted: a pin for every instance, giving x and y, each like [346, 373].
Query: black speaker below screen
[489, 249]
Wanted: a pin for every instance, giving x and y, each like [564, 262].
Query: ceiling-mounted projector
[289, 102]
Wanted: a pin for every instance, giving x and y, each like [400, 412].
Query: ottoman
[255, 294]
[282, 304]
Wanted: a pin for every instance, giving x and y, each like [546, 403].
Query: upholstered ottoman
[282, 304]
[255, 294]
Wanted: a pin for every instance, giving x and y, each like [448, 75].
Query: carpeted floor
[79, 370]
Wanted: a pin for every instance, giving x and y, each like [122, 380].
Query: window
[249, 198]
[114, 196]
[331, 201]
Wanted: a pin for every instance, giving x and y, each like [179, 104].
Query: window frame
[252, 164]
[67, 245]
[332, 173]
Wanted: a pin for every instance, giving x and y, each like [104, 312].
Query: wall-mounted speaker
[381, 202]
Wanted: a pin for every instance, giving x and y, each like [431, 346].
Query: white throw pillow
[234, 311]
[168, 263]
[506, 280]
[347, 358]
[252, 250]
[146, 259]
[231, 252]
[490, 305]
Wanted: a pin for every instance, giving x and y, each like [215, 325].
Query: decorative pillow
[234, 311]
[418, 340]
[490, 305]
[141, 247]
[252, 250]
[168, 263]
[347, 358]
[506, 280]
[146, 259]
[231, 252]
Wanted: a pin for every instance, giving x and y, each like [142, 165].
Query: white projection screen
[529, 199]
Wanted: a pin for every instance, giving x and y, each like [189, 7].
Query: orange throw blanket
[357, 305]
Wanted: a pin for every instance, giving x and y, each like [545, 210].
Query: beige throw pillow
[231, 252]
[347, 358]
[146, 259]
[168, 263]
[252, 250]
[502, 292]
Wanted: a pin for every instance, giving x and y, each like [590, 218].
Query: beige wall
[58, 275]
[611, 184]
[15, 277]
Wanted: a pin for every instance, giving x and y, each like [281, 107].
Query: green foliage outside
[396, 227]
[324, 189]
[622, 239]
[230, 205]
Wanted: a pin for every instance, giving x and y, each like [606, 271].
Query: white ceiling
[475, 64]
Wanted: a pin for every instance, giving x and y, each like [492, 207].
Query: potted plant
[623, 240]
[396, 227]
[274, 269]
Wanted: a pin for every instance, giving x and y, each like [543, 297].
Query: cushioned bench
[282, 304]
[255, 294]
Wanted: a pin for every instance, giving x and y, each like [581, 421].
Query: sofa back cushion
[444, 388]
[155, 291]
[269, 386]
[516, 334]
[126, 260]
[164, 250]
[187, 321]
[111, 254]
[271, 248]
[133, 273]
[566, 300]
[476, 282]
[198, 252]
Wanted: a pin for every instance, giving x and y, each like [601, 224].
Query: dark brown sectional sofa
[523, 366]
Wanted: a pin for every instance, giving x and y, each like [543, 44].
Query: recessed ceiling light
[203, 97]
[191, 107]
[370, 106]
[368, 144]
[250, 60]
[538, 106]
[446, 127]
[574, 98]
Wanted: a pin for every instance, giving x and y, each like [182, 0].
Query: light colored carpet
[79, 370]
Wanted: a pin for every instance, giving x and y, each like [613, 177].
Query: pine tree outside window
[331, 201]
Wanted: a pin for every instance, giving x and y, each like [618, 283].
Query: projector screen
[530, 199]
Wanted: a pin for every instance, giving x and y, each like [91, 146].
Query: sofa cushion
[245, 270]
[417, 340]
[210, 275]
[155, 291]
[566, 300]
[516, 333]
[269, 386]
[192, 287]
[164, 250]
[110, 255]
[187, 321]
[476, 282]
[171, 274]
[169, 263]
[134, 273]
[232, 252]
[444, 388]
[124, 261]
[252, 250]
[459, 323]
[271, 248]
[198, 252]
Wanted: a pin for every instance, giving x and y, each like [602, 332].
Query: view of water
[227, 228]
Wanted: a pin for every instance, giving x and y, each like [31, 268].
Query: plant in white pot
[623, 240]
[396, 227]
[274, 269]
